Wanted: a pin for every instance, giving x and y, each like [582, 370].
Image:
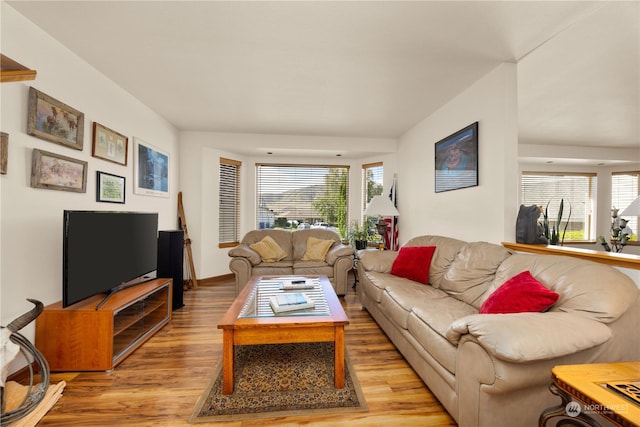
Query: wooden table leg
[339, 357]
[227, 361]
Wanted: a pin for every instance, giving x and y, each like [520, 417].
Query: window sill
[613, 259]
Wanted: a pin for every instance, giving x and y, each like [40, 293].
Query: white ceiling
[362, 68]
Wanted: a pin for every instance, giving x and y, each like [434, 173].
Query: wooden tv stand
[81, 338]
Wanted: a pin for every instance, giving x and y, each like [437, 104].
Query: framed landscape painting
[151, 174]
[456, 160]
[54, 121]
[56, 172]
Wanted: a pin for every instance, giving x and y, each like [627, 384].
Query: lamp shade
[633, 209]
[381, 205]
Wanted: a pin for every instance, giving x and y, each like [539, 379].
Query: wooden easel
[192, 281]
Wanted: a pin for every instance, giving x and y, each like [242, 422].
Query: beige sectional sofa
[494, 369]
[336, 264]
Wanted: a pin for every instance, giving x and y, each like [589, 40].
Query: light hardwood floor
[159, 384]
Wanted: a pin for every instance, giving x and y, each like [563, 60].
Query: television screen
[103, 250]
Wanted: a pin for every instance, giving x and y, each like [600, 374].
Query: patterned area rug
[280, 380]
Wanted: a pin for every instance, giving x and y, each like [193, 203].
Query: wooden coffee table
[586, 385]
[251, 321]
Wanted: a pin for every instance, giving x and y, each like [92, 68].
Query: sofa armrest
[526, 337]
[244, 251]
[375, 260]
[338, 251]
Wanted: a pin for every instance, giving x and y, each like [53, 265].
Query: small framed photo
[110, 188]
[109, 144]
[56, 172]
[456, 160]
[54, 121]
[151, 170]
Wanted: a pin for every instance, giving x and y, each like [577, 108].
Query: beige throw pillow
[316, 249]
[269, 250]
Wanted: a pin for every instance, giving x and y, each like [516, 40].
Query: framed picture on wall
[151, 170]
[57, 172]
[456, 160]
[109, 144]
[54, 121]
[110, 188]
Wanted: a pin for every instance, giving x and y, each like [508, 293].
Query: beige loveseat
[494, 369]
[246, 262]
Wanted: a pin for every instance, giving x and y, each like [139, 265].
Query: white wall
[31, 226]
[486, 212]
[199, 181]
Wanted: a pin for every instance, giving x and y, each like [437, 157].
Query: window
[297, 196]
[229, 215]
[372, 177]
[372, 174]
[624, 190]
[541, 188]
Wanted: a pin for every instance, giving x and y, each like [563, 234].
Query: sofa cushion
[604, 299]
[413, 262]
[522, 293]
[299, 239]
[401, 296]
[317, 249]
[283, 267]
[374, 283]
[269, 250]
[446, 251]
[472, 271]
[312, 267]
[428, 324]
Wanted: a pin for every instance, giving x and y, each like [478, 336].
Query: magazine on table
[290, 302]
[629, 389]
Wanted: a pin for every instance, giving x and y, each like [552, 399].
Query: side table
[584, 392]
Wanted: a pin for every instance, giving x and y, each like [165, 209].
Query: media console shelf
[81, 338]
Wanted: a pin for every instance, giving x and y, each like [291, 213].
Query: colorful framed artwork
[54, 121]
[56, 172]
[151, 170]
[456, 160]
[109, 144]
[110, 188]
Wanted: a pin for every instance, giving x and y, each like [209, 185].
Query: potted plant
[552, 231]
[357, 235]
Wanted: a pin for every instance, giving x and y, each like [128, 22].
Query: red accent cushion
[522, 293]
[413, 262]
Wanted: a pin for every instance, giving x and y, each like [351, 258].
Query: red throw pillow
[521, 293]
[413, 262]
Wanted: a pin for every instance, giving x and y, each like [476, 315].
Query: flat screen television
[105, 251]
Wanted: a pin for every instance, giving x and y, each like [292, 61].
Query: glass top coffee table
[250, 321]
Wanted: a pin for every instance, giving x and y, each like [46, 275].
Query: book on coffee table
[290, 301]
[629, 389]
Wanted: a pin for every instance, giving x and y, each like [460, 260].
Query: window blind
[289, 196]
[540, 188]
[624, 190]
[229, 193]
